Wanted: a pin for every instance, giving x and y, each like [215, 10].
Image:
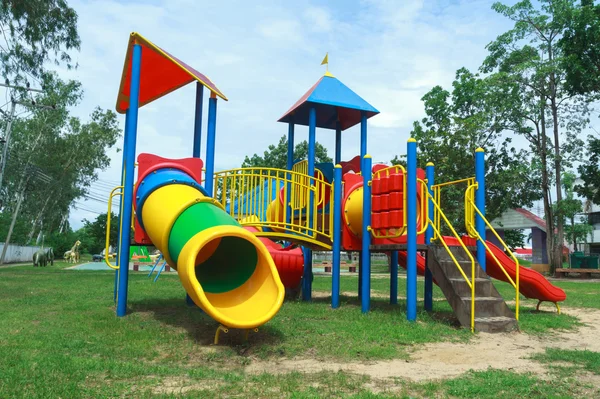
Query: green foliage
[472, 115]
[36, 32]
[514, 239]
[579, 43]
[55, 157]
[276, 155]
[589, 172]
[568, 209]
[94, 233]
[529, 59]
[61, 242]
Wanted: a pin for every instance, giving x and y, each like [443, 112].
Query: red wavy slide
[532, 284]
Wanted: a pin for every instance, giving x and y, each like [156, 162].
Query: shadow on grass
[382, 305]
[199, 326]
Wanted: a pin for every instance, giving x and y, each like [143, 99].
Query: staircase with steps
[491, 312]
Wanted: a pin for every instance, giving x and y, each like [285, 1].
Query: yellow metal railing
[107, 246]
[437, 194]
[391, 232]
[438, 236]
[281, 201]
[470, 210]
[302, 179]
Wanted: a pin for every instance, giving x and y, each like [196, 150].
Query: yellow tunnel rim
[187, 260]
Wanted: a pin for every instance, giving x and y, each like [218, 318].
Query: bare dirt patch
[180, 385]
[510, 351]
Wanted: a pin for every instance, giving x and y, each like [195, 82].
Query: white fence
[17, 253]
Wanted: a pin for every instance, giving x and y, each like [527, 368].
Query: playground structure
[219, 231]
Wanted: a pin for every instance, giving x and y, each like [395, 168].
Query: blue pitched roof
[333, 101]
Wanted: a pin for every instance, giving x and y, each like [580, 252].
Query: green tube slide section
[230, 264]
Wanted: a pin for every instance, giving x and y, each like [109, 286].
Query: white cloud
[265, 55]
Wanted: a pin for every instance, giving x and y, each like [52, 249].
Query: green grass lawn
[59, 337]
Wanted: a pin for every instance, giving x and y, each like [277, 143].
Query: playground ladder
[491, 312]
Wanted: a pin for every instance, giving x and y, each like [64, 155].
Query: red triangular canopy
[161, 73]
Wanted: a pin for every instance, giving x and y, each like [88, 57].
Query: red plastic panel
[376, 220]
[376, 186]
[376, 203]
[384, 202]
[385, 220]
[395, 200]
[396, 219]
[385, 184]
[396, 182]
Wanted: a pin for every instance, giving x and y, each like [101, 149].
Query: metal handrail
[439, 237]
[470, 209]
[290, 214]
[108, 214]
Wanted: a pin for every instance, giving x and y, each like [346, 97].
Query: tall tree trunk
[560, 232]
[560, 238]
[37, 219]
[548, 211]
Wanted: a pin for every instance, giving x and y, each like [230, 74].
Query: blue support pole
[290, 165]
[365, 299]
[363, 135]
[338, 142]
[290, 148]
[337, 236]
[198, 120]
[360, 270]
[121, 202]
[363, 153]
[430, 174]
[196, 149]
[480, 204]
[312, 138]
[210, 144]
[127, 198]
[411, 230]
[394, 278]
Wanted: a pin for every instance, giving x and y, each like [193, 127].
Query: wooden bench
[351, 266]
[584, 273]
[136, 266]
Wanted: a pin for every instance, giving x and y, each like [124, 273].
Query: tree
[94, 233]
[456, 124]
[55, 157]
[514, 239]
[590, 172]
[36, 32]
[529, 58]
[276, 155]
[579, 44]
[571, 207]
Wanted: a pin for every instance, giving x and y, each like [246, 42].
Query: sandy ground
[510, 351]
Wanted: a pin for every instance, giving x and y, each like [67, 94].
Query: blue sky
[265, 54]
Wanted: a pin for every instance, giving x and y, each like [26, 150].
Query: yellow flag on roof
[326, 59]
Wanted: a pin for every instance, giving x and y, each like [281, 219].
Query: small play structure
[234, 236]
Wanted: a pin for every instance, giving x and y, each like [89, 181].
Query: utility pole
[7, 140]
[10, 117]
[20, 196]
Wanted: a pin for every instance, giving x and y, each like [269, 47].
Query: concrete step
[485, 306]
[483, 286]
[495, 324]
[451, 269]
